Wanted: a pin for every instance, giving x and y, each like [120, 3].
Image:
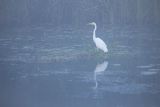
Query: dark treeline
[79, 12]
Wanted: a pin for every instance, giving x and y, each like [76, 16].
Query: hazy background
[48, 57]
[15, 13]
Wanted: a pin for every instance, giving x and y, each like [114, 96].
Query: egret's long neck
[94, 32]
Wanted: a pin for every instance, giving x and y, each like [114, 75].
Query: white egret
[100, 44]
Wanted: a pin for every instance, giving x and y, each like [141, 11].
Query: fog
[79, 12]
[48, 57]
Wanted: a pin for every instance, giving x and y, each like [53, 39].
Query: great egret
[100, 44]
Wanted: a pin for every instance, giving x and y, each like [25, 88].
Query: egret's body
[100, 44]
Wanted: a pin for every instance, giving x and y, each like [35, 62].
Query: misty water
[60, 67]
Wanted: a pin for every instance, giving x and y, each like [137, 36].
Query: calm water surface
[46, 67]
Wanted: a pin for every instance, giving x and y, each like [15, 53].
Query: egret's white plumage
[100, 44]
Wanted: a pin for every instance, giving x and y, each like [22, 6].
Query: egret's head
[93, 23]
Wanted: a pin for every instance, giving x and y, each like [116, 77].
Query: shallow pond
[46, 67]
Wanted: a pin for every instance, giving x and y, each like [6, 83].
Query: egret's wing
[101, 42]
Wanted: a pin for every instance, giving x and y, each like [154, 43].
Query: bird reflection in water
[99, 70]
